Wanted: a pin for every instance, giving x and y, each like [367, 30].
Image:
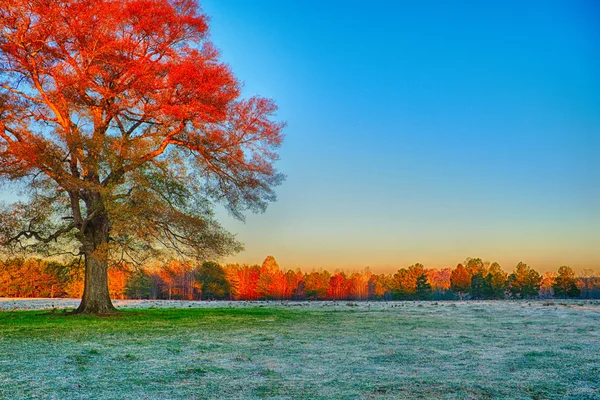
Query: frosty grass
[301, 350]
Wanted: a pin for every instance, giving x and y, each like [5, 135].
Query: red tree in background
[359, 285]
[182, 280]
[460, 280]
[339, 286]
[439, 279]
[270, 283]
[316, 285]
[120, 119]
[247, 282]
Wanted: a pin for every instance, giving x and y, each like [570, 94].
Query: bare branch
[28, 234]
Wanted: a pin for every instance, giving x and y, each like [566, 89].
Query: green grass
[448, 350]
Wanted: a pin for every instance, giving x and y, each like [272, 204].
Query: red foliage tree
[339, 286]
[316, 284]
[118, 276]
[248, 282]
[271, 282]
[460, 280]
[380, 286]
[295, 285]
[439, 279]
[123, 123]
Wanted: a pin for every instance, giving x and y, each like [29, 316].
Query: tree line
[472, 279]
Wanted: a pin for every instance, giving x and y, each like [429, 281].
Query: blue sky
[424, 131]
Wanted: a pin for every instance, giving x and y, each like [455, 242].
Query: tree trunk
[96, 298]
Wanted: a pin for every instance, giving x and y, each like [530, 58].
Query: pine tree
[213, 282]
[423, 288]
[565, 284]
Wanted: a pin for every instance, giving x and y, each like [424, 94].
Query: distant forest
[473, 279]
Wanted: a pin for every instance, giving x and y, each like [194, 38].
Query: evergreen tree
[475, 266]
[524, 282]
[423, 288]
[139, 285]
[478, 287]
[495, 282]
[565, 284]
[213, 281]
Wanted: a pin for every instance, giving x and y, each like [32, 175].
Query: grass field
[446, 350]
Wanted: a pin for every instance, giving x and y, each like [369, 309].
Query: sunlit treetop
[122, 123]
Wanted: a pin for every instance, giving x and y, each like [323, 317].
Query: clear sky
[424, 131]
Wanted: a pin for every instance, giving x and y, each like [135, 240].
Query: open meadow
[320, 350]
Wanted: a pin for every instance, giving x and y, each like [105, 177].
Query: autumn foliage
[124, 126]
[179, 280]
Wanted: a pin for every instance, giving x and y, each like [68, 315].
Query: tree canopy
[123, 127]
[460, 280]
[565, 284]
[524, 282]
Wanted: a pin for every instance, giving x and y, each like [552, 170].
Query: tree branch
[28, 234]
[18, 92]
[116, 175]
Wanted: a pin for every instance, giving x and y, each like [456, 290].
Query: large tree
[123, 128]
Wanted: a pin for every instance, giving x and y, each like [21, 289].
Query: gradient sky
[424, 131]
